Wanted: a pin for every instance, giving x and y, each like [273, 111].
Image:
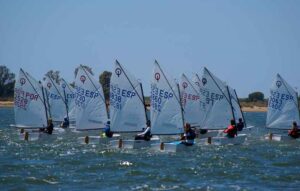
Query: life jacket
[293, 133]
[231, 131]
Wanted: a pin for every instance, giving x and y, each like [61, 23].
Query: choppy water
[63, 164]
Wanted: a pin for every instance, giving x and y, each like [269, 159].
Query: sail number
[276, 99]
[116, 95]
[158, 96]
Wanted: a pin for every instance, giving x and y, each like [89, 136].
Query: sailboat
[166, 111]
[68, 93]
[128, 111]
[91, 110]
[217, 103]
[283, 109]
[30, 107]
[57, 105]
[190, 98]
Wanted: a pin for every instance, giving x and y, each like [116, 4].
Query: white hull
[223, 140]
[219, 133]
[278, 137]
[35, 134]
[97, 139]
[133, 144]
[170, 147]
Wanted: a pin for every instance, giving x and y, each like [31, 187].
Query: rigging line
[217, 84]
[32, 85]
[134, 88]
[92, 83]
[68, 85]
[169, 84]
[288, 90]
[191, 84]
[56, 89]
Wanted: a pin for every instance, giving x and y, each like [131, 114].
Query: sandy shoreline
[6, 103]
[245, 109]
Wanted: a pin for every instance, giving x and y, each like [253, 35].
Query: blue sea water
[63, 164]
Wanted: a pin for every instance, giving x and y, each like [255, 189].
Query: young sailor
[65, 123]
[294, 132]
[231, 129]
[188, 136]
[107, 131]
[146, 135]
[49, 128]
[240, 125]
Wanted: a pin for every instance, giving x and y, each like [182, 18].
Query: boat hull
[173, 147]
[278, 137]
[134, 144]
[223, 140]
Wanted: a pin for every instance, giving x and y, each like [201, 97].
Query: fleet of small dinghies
[205, 102]
[282, 109]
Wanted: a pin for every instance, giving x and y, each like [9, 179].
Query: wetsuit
[49, 129]
[107, 132]
[65, 123]
[240, 126]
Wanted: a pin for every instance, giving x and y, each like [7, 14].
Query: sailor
[50, 126]
[231, 129]
[188, 136]
[294, 132]
[146, 135]
[107, 131]
[65, 123]
[240, 125]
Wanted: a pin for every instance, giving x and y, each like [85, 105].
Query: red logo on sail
[118, 71]
[204, 81]
[22, 81]
[157, 76]
[278, 84]
[184, 85]
[82, 79]
[49, 85]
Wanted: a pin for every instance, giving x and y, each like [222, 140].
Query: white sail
[215, 97]
[90, 105]
[190, 102]
[282, 105]
[29, 103]
[166, 110]
[56, 102]
[68, 93]
[127, 110]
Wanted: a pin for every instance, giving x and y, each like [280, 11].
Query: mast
[231, 104]
[44, 101]
[66, 102]
[181, 108]
[144, 102]
[238, 101]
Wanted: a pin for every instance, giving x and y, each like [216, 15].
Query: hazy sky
[245, 43]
